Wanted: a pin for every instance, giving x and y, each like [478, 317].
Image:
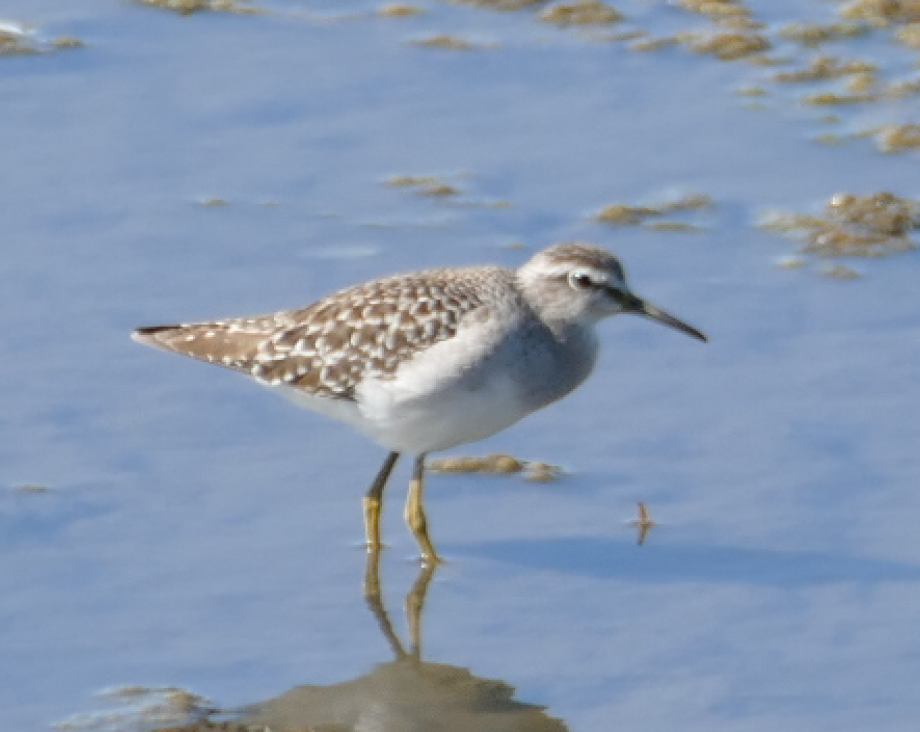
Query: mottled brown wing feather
[367, 330]
[328, 347]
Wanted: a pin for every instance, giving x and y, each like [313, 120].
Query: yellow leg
[371, 523]
[374, 599]
[373, 503]
[415, 512]
[415, 605]
[372, 576]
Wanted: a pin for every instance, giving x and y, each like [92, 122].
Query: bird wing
[328, 347]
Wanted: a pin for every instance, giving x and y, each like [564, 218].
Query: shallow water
[197, 532]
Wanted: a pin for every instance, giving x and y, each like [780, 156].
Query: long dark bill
[640, 307]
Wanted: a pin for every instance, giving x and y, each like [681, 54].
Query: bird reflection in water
[406, 693]
[398, 696]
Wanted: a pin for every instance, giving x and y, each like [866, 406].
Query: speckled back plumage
[327, 348]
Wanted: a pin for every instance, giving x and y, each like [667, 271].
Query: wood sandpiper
[427, 361]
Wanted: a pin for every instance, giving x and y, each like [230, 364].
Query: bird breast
[475, 384]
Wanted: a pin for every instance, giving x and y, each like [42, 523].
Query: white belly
[461, 390]
[440, 419]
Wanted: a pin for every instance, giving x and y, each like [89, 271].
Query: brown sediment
[831, 99]
[447, 42]
[814, 34]
[725, 46]
[826, 67]
[882, 13]
[672, 226]
[503, 5]
[25, 44]
[909, 35]
[716, 8]
[396, 10]
[899, 138]
[424, 185]
[583, 12]
[533, 471]
[619, 214]
[188, 7]
[653, 44]
[877, 225]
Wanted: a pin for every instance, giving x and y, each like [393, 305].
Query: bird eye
[580, 281]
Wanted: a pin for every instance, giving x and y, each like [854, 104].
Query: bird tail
[211, 342]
